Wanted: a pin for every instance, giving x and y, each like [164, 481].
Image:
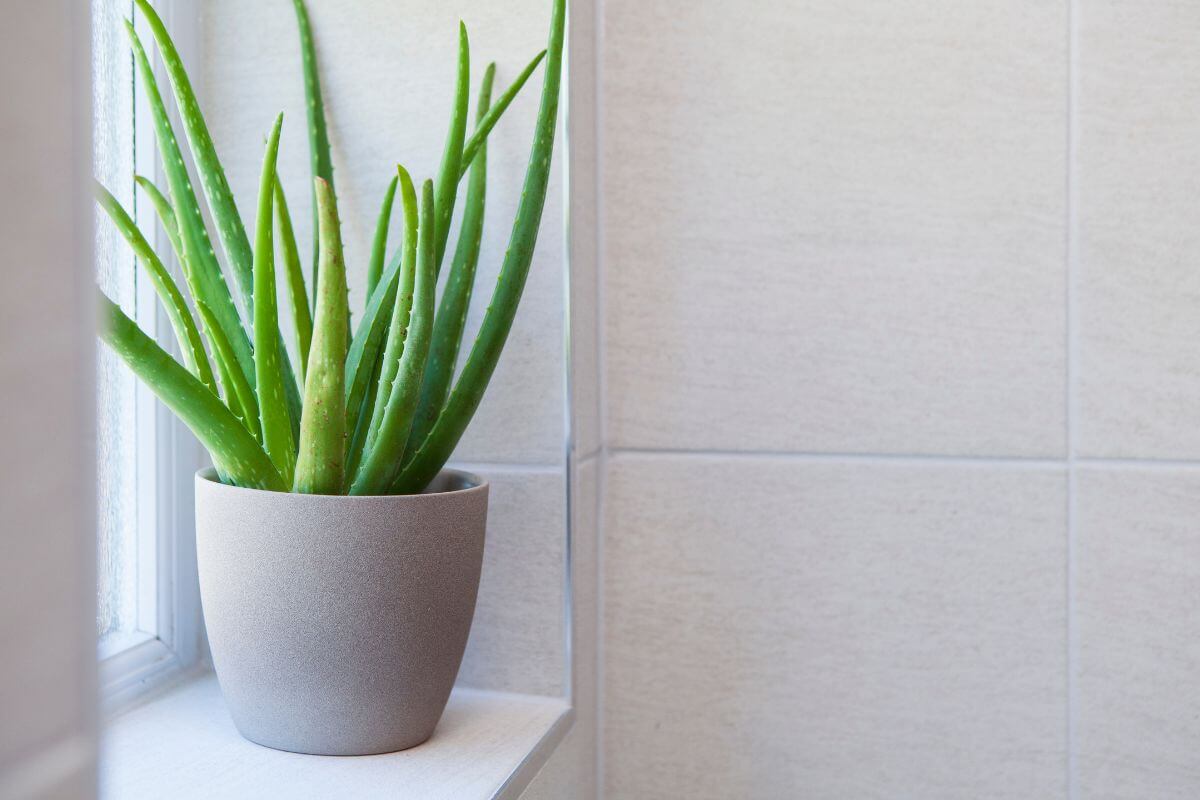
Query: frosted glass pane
[116, 450]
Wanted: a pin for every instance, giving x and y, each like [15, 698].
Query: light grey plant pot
[337, 624]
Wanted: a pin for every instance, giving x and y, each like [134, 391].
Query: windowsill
[183, 745]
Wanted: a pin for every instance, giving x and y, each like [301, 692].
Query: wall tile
[585, 584]
[780, 628]
[1137, 601]
[388, 73]
[836, 226]
[570, 774]
[517, 637]
[1138, 179]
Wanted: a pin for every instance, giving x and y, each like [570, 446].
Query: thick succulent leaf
[423, 466]
[318, 132]
[212, 175]
[225, 214]
[268, 352]
[360, 426]
[239, 395]
[294, 273]
[186, 333]
[234, 451]
[401, 312]
[165, 211]
[456, 296]
[368, 341]
[382, 459]
[485, 125]
[201, 268]
[450, 171]
[379, 245]
[320, 465]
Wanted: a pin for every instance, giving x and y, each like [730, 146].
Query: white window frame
[168, 639]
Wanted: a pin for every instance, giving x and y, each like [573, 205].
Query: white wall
[47, 536]
[1135, 288]
[900, 317]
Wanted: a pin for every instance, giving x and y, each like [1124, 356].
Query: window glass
[116, 394]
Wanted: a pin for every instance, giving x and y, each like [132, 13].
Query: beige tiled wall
[1138, 543]
[1138, 597]
[1138, 185]
[835, 227]
[780, 628]
[902, 390]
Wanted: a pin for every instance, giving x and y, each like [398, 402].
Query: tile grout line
[932, 459]
[1072, 402]
[845, 457]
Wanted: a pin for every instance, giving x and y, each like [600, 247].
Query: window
[146, 621]
[116, 392]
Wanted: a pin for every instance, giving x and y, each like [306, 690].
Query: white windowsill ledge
[183, 745]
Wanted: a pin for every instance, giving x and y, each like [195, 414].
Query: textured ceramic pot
[337, 624]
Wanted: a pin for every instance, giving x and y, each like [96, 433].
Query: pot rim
[474, 484]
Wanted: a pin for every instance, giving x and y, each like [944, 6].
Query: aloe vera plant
[376, 410]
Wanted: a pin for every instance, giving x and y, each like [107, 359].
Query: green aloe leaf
[423, 466]
[239, 395]
[234, 451]
[379, 245]
[456, 296]
[485, 125]
[382, 459]
[212, 175]
[398, 325]
[205, 279]
[450, 171]
[368, 342]
[318, 131]
[186, 333]
[229, 224]
[235, 390]
[320, 466]
[361, 425]
[294, 273]
[165, 211]
[268, 354]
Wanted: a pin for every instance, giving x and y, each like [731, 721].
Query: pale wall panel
[775, 628]
[836, 226]
[517, 636]
[1138, 178]
[1138, 597]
